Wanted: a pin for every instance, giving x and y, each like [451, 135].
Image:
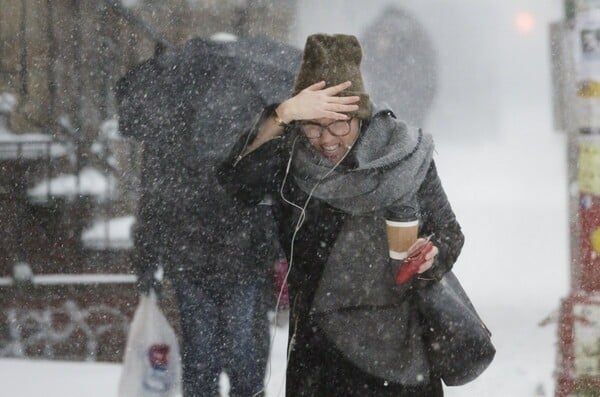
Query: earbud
[348, 147]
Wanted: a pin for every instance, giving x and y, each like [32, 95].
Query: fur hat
[334, 59]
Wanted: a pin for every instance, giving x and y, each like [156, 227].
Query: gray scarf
[391, 158]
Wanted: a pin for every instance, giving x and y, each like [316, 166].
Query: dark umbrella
[138, 95]
[265, 51]
[270, 67]
[227, 84]
[147, 92]
[188, 107]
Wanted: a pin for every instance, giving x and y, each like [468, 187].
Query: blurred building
[67, 178]
[62, 57]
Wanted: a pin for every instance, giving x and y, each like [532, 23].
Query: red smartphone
[410, 266]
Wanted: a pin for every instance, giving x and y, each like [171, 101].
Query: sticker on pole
[586, 45]
[586, 343]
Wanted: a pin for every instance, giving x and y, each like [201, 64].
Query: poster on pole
[586, 343]
[588, 180]
[588, 165]
[586, 36]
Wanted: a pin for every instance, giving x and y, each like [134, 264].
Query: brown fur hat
[334, 59]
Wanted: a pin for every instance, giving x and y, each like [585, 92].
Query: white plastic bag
[152, 364]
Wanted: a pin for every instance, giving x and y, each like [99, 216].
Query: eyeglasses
[314, 130]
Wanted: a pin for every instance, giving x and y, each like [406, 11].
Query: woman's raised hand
[316, 102]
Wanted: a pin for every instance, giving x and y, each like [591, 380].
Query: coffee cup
[402, 227]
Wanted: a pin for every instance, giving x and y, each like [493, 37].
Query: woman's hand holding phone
[420, 259]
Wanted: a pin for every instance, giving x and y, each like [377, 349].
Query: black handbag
[459, 345]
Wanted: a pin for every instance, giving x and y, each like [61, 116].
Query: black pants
[319, 370]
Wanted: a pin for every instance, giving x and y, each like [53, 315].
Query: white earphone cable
[299, 223]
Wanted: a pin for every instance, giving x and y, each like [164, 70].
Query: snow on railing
[113, 233]
[24, 146]
[7, 103]
[90, 182]
[29, 146]
[66, 279]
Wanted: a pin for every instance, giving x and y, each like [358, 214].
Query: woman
[337, 166]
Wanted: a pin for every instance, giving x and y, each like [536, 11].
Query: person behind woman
[337, 165]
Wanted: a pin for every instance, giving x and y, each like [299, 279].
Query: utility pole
[576, 77]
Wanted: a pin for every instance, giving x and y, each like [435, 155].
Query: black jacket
[262, 172]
